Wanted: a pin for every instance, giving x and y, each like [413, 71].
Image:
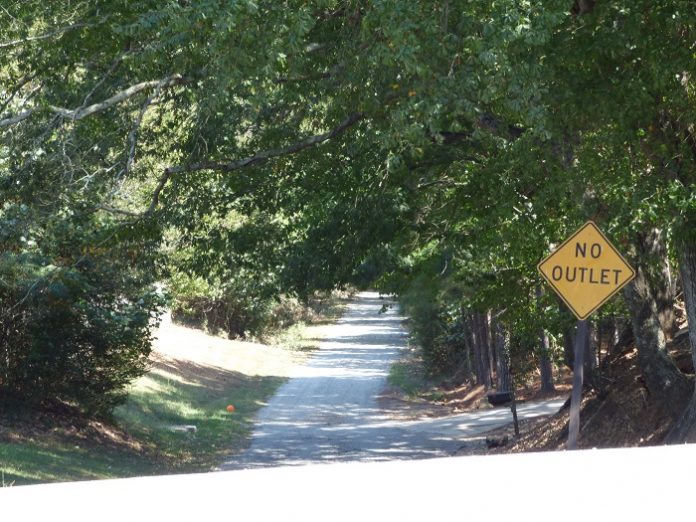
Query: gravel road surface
[328, 411]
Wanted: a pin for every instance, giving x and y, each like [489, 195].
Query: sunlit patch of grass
[408, 374]
[297, 338]
[218, 433]
[303, 338]
[193, 394]
[30, 462]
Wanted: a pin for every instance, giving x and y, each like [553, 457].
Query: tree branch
[264, 156]
[133, 135]
[295, 79]
[8, 122]
[246, 162]
[41, 37]
[114, 210]
[83, 112]
[442, 181]
[114, 65]
[156, 194]
[78, 114]
[25, 80]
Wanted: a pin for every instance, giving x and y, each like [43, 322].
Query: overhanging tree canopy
[440, 144]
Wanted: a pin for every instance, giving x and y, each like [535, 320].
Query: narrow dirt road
[328, 410]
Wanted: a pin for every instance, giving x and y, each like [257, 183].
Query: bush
[236, 313]
[437, 330]
[76, 321]
[240, 309]
[227, 307]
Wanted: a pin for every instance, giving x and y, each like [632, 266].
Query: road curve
[328, 412]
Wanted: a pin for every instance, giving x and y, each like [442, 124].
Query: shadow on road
[328, 411]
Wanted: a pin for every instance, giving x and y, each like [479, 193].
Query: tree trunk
[468, 351]
[502, 358]
[487, 337]
[475, 336]
[485, 348]
[655, 261]
[663, 380]
[473, 348]
[685, 429]
[590, 360]
[545, 364]
[568, 348]
[568, 339]
[480, 338]
[491, 342]
[616, 334]
[545, 367]
[468, 348]
[601, 333]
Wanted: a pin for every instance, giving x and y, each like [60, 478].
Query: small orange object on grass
[230, 408]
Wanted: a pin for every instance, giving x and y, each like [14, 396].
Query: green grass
[31, 462]
[304, 337]
[408, 374]
[157, 403]
[192, 386]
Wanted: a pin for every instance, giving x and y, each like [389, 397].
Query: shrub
[228, 307]
[76, 319]
[437, 330]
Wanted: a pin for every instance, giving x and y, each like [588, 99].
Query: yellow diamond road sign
[586, 270]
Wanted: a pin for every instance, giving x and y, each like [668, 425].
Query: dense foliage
[78, 306]
[434, 149]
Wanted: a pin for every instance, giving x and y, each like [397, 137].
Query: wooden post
[576, 396]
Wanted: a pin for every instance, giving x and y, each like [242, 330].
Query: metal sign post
[578, 375]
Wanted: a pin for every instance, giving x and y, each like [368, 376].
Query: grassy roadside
[193, 378]
[57, 457]
[409, 376]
